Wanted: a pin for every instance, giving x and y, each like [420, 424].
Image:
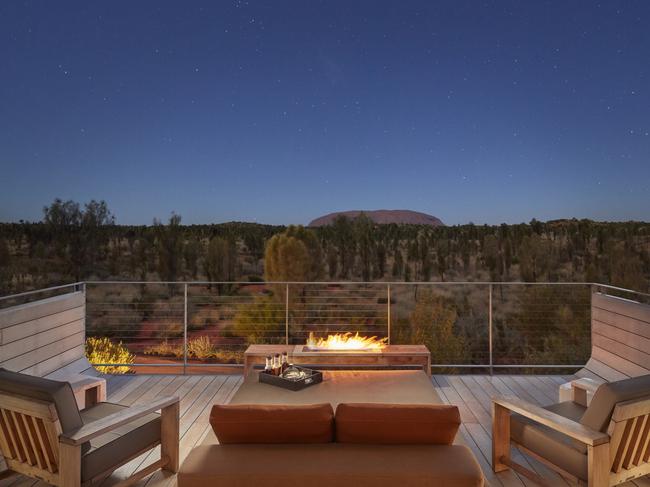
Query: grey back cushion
[599, 412]
[59, 393]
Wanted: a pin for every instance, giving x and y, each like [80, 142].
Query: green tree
[380, 260]
[507, 257]
[492, 257]
[313, 246]
[398, 264]
[442, 254]
[79, 233]
[465, 255]
[343, 236]
[528, 252]
[61, 214]
[332, 262]
[287, 259]
[169, 246]
[433, 322]
[625, 267]
[142, 256]
[364, 234]
[114, 257]
[191, 251]
[5, 267]
[221, 260]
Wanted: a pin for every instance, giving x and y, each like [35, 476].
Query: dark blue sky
[279, 111]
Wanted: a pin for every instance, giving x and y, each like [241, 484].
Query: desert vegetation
[350, 260]
[102, 350]
[75, 242]
[200, 348]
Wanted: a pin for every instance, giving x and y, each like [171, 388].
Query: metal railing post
[286, 315]
[490, 327]
[185, 330]
[388, 309]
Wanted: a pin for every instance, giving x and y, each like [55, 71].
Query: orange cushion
[266, 423]
[397, 424]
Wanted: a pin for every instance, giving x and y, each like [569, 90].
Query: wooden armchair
[43, 435]
[603, 444]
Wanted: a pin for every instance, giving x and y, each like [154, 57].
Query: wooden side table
[87, 390]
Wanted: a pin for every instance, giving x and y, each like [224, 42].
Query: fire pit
[345, 342]
[344, 351]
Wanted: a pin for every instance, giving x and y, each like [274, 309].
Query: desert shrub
[262, 321]
[165, 349]
[227, 357]
[203, 317]
[433, 322]
[169, 329]
[104, 351]
[200, 348]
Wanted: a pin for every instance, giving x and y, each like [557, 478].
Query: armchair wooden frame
[621, 454]
[33, 444]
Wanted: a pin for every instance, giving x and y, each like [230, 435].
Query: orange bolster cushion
[397, 424]
[267, 423]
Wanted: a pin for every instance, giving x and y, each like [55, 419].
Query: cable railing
[189, 327]
[468, 325]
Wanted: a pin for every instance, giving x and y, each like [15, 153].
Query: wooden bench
[620, 342]
[46, 338]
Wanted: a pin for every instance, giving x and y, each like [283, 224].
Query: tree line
[76, 242]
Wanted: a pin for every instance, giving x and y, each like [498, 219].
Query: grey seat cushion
[600, 409]
[559, 449]
[39, 388]
[119, 445]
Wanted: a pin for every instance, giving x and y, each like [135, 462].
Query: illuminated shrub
[104, 351]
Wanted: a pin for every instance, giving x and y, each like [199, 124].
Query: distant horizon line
[553, 220]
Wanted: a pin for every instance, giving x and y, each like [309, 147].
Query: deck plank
[481, 432]
[471, 393]
[200, 389]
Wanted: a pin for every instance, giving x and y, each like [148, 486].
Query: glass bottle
[267, 366]
[277, 364]
[285, 361]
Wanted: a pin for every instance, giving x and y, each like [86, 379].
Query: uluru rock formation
[382, 217]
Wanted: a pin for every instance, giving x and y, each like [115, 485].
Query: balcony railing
[483, 326]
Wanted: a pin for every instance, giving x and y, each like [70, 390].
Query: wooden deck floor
[471, 393]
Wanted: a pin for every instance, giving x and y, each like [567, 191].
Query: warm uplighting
[346, 341]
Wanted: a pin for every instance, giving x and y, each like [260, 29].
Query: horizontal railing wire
[466, 325]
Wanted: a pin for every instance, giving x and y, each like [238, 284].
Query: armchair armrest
[589, 385]
[96, 428]
[554, 421]
[580, 388]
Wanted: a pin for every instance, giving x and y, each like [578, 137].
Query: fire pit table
[389, 357]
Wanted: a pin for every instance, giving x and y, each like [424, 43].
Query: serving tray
[313, 377]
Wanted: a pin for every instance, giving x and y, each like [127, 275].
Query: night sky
[280, 111]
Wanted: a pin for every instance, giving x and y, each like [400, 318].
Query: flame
[346, 341]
